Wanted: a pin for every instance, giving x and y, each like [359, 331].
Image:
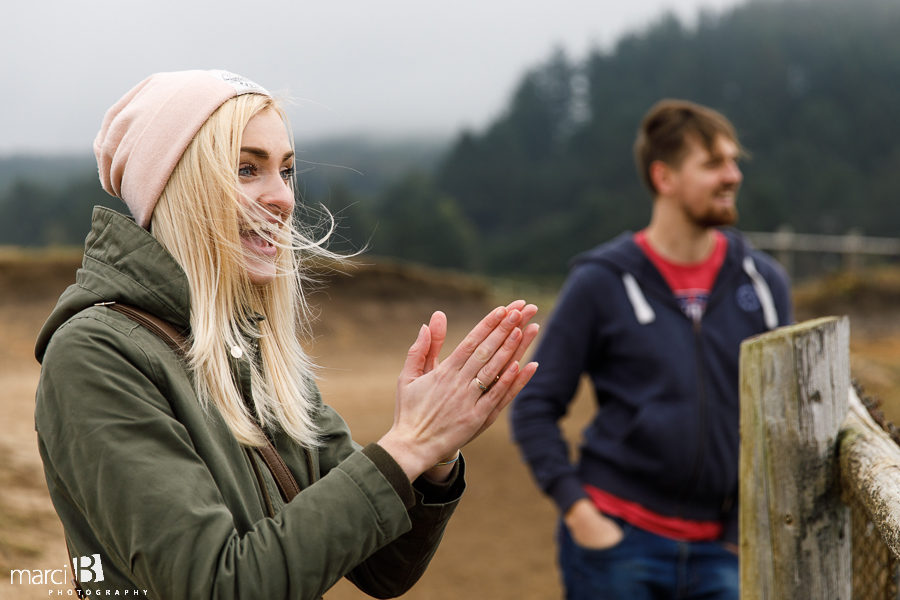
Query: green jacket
[140, 474]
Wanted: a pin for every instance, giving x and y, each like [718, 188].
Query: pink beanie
[145, 133]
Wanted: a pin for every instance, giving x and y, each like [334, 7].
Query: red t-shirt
[691, 284]
[670, 527]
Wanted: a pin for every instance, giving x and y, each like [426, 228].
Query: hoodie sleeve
[563, 353]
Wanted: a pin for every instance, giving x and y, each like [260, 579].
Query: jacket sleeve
[395, 568]
[129, 466]
[563, 354]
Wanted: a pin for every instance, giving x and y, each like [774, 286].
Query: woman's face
[265, 170]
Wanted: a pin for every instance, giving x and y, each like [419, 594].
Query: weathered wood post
[794, 530]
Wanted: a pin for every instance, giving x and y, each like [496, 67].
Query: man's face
[706, 183]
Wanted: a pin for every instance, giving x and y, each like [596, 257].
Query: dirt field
[499, 545]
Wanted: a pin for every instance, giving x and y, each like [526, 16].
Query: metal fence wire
[875, 575]
[876, 570]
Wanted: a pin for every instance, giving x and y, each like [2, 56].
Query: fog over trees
[813, 88]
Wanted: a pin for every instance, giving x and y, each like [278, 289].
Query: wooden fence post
[794, 530]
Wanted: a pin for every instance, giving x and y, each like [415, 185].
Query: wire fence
[876, 570]
[874, 565]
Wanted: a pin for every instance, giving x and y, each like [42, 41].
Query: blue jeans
[645, 566]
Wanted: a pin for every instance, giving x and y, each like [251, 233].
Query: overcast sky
[395, 67]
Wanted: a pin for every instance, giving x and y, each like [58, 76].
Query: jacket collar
[122, 262]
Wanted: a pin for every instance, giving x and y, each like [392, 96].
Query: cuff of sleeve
[392, 472]
[566, 491]
[444, 491]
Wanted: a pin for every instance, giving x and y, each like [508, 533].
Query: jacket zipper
[703, 417]
[664, 293]
[702, 396]
[702, 399]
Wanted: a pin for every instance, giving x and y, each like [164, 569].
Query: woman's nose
[278, 198]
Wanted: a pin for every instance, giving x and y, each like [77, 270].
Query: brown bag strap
[287, 485]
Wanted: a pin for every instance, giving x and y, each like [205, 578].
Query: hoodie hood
[124, 263]
[624, 255]
[625, 258]
[621, 251]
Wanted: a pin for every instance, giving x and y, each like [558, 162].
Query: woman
[150, 452]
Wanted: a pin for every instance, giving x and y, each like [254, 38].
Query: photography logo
[87, 568]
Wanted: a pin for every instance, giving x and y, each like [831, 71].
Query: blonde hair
[198, 219]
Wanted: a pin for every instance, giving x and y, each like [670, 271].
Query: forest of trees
[812, 86]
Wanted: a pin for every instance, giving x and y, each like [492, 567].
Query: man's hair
[198, 220]
[666, 129]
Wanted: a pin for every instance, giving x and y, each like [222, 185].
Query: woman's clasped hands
[443, 405]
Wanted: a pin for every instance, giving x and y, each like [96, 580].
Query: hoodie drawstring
[762, 292]
[642, 309]
[644, 312]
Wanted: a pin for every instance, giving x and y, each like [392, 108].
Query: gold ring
[481, 386]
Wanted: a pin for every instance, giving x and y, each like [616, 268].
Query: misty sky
[383, 67]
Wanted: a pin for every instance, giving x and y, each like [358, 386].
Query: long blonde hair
[198, 220]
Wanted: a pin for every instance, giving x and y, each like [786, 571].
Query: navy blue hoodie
[666, 430]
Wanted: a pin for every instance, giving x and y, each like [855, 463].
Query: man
[655, 320]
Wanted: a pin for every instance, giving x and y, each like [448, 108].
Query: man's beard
[717, 216]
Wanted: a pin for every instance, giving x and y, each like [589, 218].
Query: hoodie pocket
[663, 441]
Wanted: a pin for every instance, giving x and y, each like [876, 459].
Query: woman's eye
[287, 173]
[246, 170]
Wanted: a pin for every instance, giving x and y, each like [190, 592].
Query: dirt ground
[500, 543]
